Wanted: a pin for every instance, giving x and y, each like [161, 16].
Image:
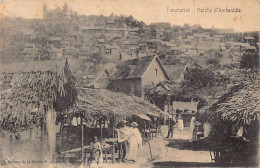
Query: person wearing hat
[122, 133]
[135, 141]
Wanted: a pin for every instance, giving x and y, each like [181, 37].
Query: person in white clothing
[193, 129]
[123, 135]
[180, 123]
[135, 142]
[207, 128]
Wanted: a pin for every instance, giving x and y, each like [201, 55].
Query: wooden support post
[150, 149]
[258, 145]
[100, 132]
[42, 131]
[30, 135]
[54, 141]
[145, 135]
[82, 142]
[50, 125]
[106, 155]
[113, 146]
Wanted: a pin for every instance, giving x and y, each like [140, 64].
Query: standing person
[122, 134]
[96, 158]
[193, 129]
[135, 142]
[207, 128]
[170, 128]
[180, 123]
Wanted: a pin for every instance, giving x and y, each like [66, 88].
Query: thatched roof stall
[31, 95]
[240, 105]
[29, 90]
[244, 105]
[95, 103]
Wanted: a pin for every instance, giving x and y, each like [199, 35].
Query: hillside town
[111, 39]
[72, 84]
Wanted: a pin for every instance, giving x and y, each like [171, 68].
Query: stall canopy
[94, 103]
[241, 105]
[166, 114]
[143, 117]
[153, 114]
[29, 90]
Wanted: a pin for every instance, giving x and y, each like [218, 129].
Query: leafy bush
[212, 61]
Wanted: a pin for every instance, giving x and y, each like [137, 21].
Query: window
[132, 89]
[155, 71]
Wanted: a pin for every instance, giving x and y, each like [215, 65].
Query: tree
[186, 26]
[129, 19]
[166, 36]
[203, 81]
[250, 60]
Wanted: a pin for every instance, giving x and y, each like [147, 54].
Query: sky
[150, 11]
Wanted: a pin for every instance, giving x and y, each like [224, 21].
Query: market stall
[31, 95]
[102, 110]
[235, 116]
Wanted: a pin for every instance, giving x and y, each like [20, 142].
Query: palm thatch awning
[241, 105]
[95, 103]
[28, 90]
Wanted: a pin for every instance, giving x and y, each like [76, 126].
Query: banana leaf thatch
[95, 103]
[28, 90]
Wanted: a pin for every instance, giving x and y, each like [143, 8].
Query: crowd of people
[179, 120]
[129, 139]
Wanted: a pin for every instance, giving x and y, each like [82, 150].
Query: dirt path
[179, 153]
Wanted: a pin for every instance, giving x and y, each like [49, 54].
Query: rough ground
[179, 154]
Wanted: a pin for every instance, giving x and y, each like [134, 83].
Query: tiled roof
[135, 68]
[140, 64]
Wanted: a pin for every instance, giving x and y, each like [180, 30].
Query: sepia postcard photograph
[129, 83]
